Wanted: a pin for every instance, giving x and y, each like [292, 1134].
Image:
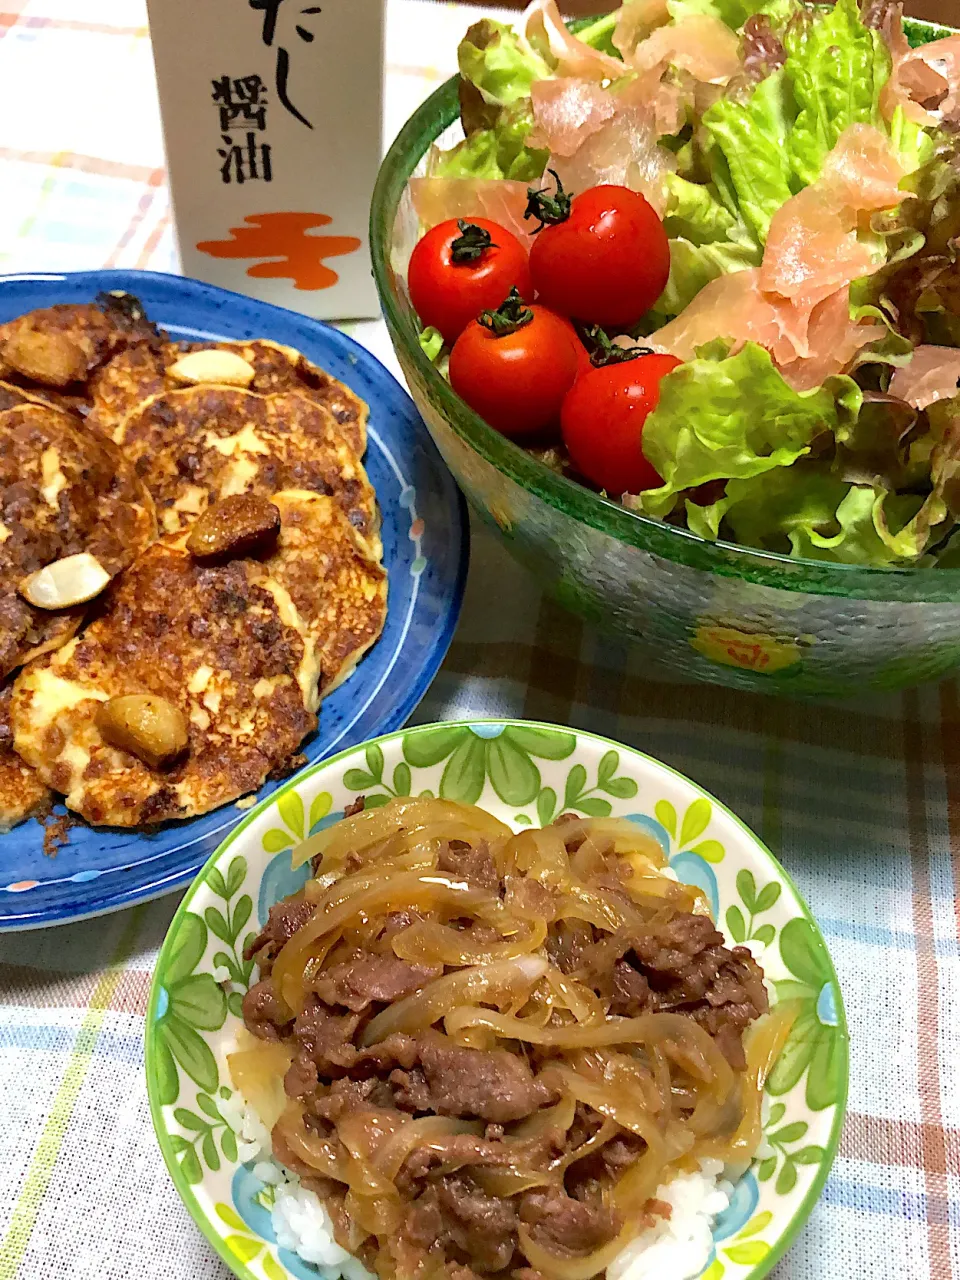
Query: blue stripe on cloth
[115, 1045]
[865, 1197]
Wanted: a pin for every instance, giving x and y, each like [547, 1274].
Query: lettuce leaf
[492, 57]
[598, 32]
[695, 211]
[706, 241]
[806, 512]
[836, 67]
[692, 266]
[733, 12]
[432, 346]
[499, 151]
[912, 143]
[734, 417]
[752, 141]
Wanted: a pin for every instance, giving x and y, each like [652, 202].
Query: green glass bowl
[714, 611]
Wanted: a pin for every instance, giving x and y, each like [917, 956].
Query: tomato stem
[548, 209]
[606, 352]
[471, 244]
[510, 316]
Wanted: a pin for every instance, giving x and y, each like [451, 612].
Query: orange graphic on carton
[285, 239]
[739, 649]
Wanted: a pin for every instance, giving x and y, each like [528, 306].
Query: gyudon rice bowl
[480, 1053]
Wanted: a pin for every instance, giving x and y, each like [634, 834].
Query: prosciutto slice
[812, 248]
[925, 82]
[437, 199]
[700, 44]
[567, 112]
[624, 152]
[806, 345]
[931, 375]
[636, 20]
[543, 27]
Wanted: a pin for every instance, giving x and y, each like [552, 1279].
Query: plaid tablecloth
[860, 800]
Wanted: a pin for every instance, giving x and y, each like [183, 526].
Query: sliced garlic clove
[214, 365]
[145, 725]
[64, 583]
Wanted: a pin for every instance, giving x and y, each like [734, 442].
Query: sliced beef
[482, 1227]
[264, 1014]
[301, 1078]
[569, 945]
[567, 1226]
[368, 979]
[600, 1167]
[411, 1092]
[671, 947]
[734, 1000]
[424, 1225]
[497, 1086]
[472, 863]
[326, 1040]
[631, 995]
[347, 1096]
[284, 920]
[681, 964]
[397, 1051]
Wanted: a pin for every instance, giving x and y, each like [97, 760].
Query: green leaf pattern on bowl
[201, 976]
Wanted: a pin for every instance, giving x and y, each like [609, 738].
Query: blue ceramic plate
[425, 541]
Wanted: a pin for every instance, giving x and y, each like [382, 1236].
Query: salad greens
[836, 68]
[752, 139]
[492, 59]
[734, 417]
[837, 471]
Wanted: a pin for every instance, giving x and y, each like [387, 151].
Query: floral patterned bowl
[526, 774]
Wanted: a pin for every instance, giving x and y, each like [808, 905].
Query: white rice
[678, 1247]
[253, 1136]
[303, 1225]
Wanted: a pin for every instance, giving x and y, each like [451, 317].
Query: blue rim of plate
[426, 552]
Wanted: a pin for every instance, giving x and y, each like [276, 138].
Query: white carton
[272, 120]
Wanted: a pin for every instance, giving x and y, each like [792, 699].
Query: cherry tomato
[461, 268]
[603, 256]
[603, 419]
[516, 379]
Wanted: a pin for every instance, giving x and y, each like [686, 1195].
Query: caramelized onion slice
[364, 829]
[493, 982]
[614, 1103]
[426, 942]
[701, 1055]
[317, 1152]
[428, 1131]
[585, 1005]
[257, 1069]
[568, 1267]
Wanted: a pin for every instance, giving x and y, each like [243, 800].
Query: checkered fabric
[860, 800]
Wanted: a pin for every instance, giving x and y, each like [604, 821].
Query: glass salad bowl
[714, 611]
